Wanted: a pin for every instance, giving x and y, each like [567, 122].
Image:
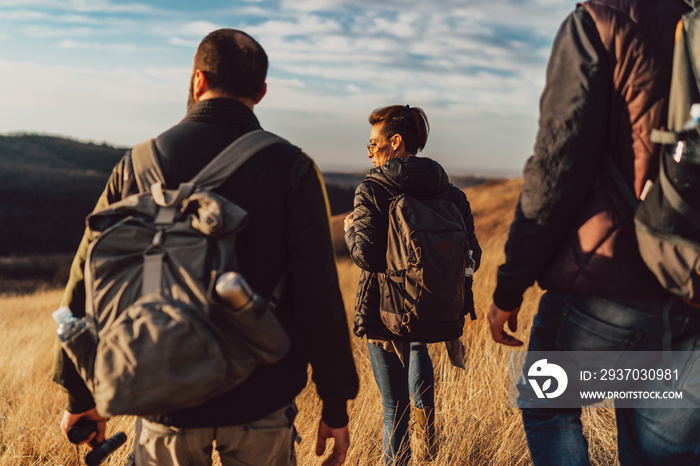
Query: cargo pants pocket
[268, 441]
[160, 445]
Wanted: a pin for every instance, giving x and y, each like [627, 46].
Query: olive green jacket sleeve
[64, 372]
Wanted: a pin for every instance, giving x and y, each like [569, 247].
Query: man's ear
[201, 85]
[260, 96]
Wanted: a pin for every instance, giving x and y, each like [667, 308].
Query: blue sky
[117, 71]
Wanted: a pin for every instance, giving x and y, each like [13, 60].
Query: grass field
[475, 425]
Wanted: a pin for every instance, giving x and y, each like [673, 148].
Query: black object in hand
[104, 449]
[82, 430]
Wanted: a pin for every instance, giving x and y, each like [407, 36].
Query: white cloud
[310, 27]
[178, 77]
[74, 18]
[103, 6]
[453, 76]
[46, 32]
[311, 5]
[122, 48]
[29, 3]
[198, 28]
[180, 42]
[94, 6]
[189, 34]
[24, 15]
[286, 83]
[35, 15]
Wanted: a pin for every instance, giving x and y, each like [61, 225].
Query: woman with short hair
[402, 369]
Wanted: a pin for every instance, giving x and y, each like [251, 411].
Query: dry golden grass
[475, 424]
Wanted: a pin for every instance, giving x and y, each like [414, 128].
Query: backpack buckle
[406, 322]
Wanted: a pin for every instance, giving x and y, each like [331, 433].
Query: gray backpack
[667, 221]
[422, 291]
[157, 337]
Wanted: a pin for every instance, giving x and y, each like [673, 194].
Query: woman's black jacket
[366, 238]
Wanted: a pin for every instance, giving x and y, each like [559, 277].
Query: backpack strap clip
[169, 201]
[663, 137]
[153, 266]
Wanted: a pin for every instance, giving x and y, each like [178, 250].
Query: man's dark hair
[233, 63]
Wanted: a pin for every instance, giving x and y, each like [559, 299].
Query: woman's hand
[348, 221]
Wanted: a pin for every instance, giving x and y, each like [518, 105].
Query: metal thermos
[232, 288]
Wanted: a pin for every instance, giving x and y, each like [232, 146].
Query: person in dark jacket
[608, 81]
[402, 370]
[288, 228]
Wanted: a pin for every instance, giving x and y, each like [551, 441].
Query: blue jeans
[398, 385]
[568, 322]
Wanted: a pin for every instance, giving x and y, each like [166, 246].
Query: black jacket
[288, 226]
[608, 82]
[367, 236]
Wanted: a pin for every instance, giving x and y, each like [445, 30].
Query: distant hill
[47, 187]
[49, 184]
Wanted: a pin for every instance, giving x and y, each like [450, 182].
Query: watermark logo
[546, 372]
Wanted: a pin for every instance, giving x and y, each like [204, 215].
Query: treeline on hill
[49, 184]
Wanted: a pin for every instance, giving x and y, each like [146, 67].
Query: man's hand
[69, 419]
[347, 221]
[497, 319]
[341, 443]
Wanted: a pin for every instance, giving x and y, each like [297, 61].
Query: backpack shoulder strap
[230, 159]
[146, 166]
[619, 180]
[149, 175]
[147, 169]
[393, 192]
